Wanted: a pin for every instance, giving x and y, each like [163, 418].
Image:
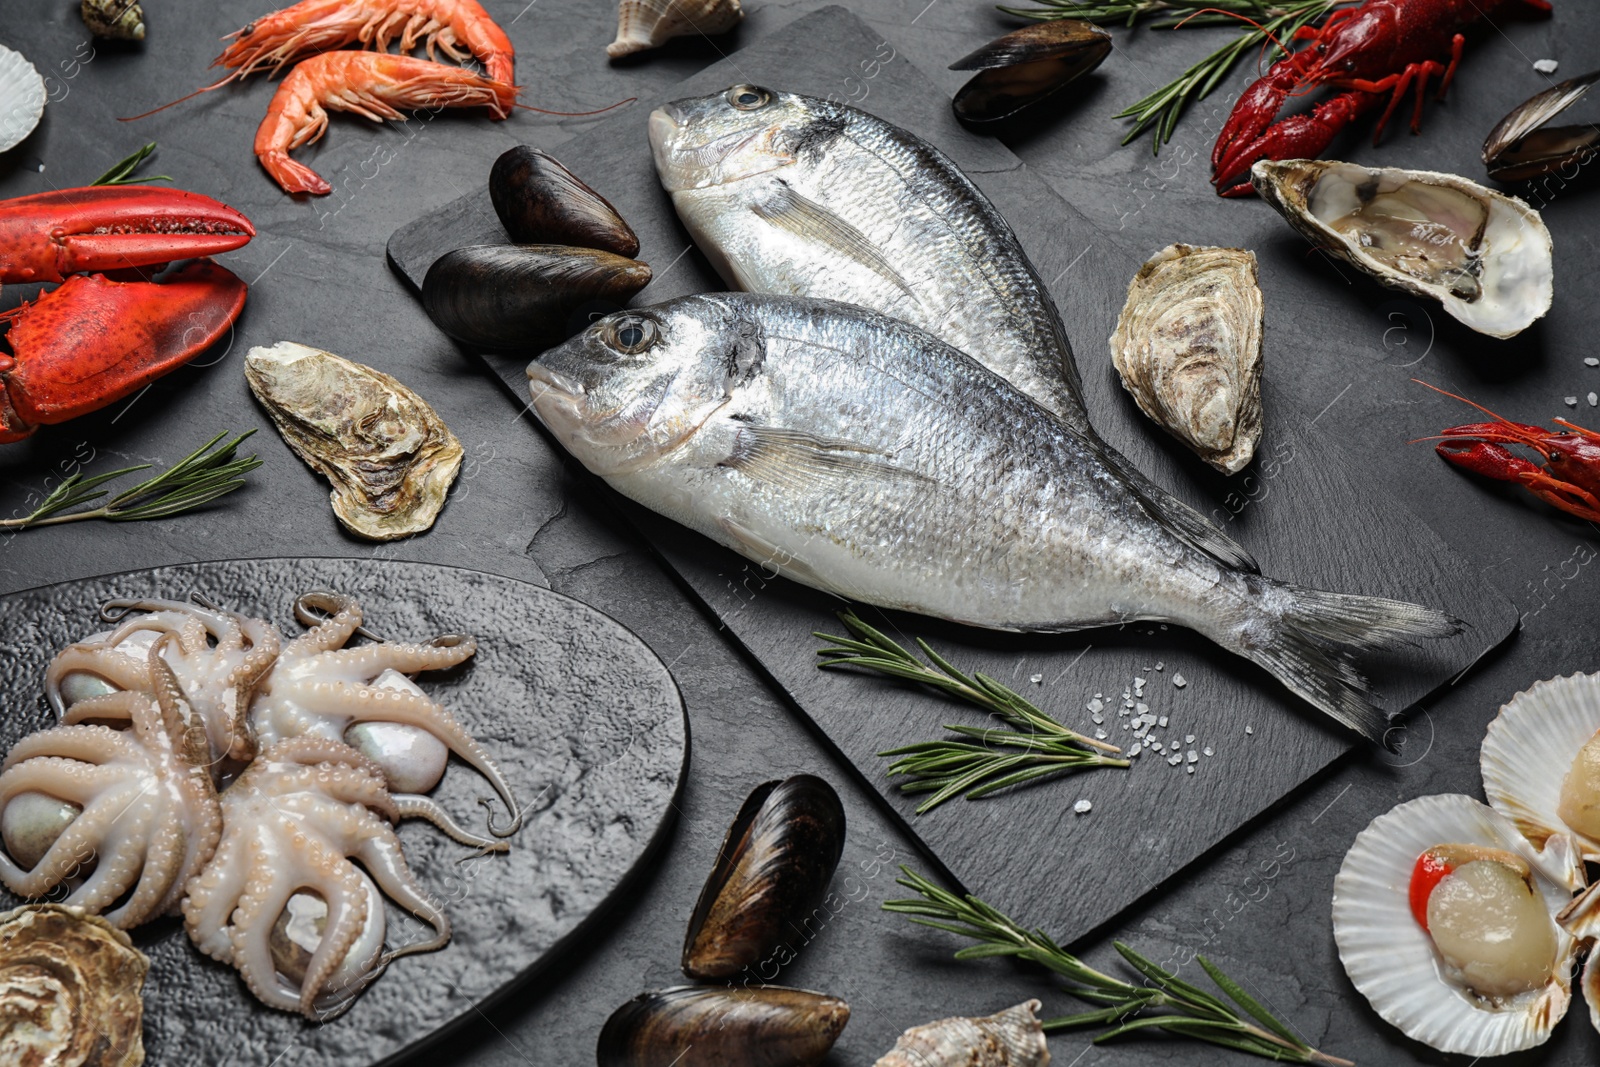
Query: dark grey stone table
[1258, 905]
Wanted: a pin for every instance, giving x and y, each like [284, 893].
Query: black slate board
[585, 721]
[1302, 509]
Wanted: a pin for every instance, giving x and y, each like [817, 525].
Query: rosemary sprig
[1275, 20]
[1165, 1002]
[978, 761]
[198, 478]
[122, 173]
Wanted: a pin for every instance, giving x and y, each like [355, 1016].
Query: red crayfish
[93, 339]
[1381, 46]
[1569, 478]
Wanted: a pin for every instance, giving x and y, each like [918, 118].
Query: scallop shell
[1392, 960]
[644, 24]
[1529, 747]
[1011, 1038]
[121, 20]
[1188, 348]
[1485, 256]
[389, 457]
[22, 89]
[70, 987]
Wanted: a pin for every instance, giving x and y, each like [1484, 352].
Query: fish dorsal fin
[1182, 521]
[798, 460]
[807, 219]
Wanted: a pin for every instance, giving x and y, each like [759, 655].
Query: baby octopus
[128, 810]
[218, 657]
[319, 688]
[292, 824]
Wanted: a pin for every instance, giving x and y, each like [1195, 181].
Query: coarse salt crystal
[1173, 761]
[1545, 66]
[1100, 735]
[1035, 678]
[1083, 807]
[1138, 681]
[1571, 401]
[1208, 750]
[1162, 722]
[1249, 729]
[1190, 769]
[1097, 704]
[1179, 681]
[1133, 750]
[1141, 708]
[1194, 757]
[1188, 739]
[1160, 665]
[1593, 400]
[1592, 361]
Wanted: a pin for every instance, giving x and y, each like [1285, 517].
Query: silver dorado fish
[793, 195]
[860, 455]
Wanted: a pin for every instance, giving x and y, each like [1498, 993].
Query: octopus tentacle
[58, 776]
[86, 744]
[347, 914]
[213, 894]
[118, 866]
[72, 852]
[411, 806]
[378, 849]
[331, 630]
[265, 896]
[369, 661]
[164, 860]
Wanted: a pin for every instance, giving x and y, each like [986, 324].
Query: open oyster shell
[70, 987]
[1485, 256]
[1188, 348]
[1392, 960]
[1530, 750]
[1010, 1038]
[390, 458]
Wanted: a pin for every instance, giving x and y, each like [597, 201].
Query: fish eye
[749, 97]
[632, 335]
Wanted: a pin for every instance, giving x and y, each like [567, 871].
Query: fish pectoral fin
[799, 460]
[810, 221]
[773, 557]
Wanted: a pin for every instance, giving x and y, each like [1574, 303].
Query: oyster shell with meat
[390, 458]
[1485, 256]
[1188, 348]
[70, 990]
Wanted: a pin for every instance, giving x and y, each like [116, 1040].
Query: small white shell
[1392, 960]
[1188, 348]
[643, 24]
[1485, 256]
[22, 98]
[1530, 746]
[1011, 1038]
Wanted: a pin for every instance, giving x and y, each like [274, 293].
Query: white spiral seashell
[1188, 348]
[22, 91]
[1011, 1038]
[1529, 749]
[643, 24]
[1393, 961]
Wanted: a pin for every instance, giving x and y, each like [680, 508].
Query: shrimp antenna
[181, 99]
[576, 114]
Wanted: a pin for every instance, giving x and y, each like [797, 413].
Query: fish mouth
[682, 166]
[558, 400]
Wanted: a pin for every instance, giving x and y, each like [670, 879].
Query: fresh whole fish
[862, 456]
[793, 195]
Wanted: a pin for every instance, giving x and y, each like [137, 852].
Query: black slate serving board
[585, 721]
[1302, 509]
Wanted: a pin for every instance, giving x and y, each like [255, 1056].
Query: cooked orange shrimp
[275, 40]
[374, 84]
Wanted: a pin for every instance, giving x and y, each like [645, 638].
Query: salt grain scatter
[1179, 681]
[1083, 807]
[1174, 760]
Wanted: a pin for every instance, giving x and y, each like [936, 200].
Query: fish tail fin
[1312, 635]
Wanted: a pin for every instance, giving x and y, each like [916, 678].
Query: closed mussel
[1027, 65]
[772, 871]
[758, 1026]
[525, 296]
[1522, 147]
[541, 202]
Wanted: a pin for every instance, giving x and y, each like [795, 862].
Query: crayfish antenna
[181, 99]
[1464, 400]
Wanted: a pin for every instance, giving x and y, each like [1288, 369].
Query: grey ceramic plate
[584, 719]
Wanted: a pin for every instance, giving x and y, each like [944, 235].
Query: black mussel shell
[541, 202]
[1027, 65]
[525, 296]
[770, 876]
[1518, 148]
[722, 1026]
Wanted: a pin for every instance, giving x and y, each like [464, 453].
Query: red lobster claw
[49, 236]
[93, 341]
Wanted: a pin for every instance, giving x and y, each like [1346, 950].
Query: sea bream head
[638, 384]
[738, 133]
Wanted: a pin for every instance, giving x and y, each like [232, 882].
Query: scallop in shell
[1446, 984]
[1485, 256]
[1541, 761]
[70, 990]
[644, 24]
[1011, 1038]
[22, 90]
[389, 457]
[1188, 348]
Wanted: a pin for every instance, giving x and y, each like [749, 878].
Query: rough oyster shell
[643, 24]
[22, 89]
[1485, 256]
[1188, 348]
[1011, 1038]
[1528, 750]
[389, 457]
[70, 988]
[1392, 960]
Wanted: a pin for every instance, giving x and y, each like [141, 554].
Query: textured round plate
[584, 719]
